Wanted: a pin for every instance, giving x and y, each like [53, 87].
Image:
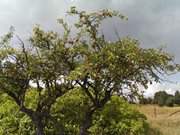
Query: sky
[155, 23]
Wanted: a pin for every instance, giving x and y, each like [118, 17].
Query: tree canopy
[87, 61]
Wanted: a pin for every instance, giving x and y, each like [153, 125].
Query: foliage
[161, 98]
[170, 101]
[69, 109]
[119, 118]
[13, 122]
[144, 100]
[177, 98]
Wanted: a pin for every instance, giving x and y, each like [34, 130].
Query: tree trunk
[86, 124]
[37, 120]
[39, 128]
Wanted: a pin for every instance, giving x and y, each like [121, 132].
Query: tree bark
[39, 128]
[86, 123]
[37, 120]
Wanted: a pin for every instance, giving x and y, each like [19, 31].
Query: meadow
[163, 120]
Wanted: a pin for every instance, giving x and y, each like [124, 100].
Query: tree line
[162, 98]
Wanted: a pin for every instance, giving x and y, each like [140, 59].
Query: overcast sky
[153, 22]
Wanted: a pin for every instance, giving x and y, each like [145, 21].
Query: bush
[119, 118]
[13, 122]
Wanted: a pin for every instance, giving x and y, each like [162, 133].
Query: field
[164, 120]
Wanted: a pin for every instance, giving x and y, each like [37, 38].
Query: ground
[164, 119]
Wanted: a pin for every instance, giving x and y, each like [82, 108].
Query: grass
[163, 119]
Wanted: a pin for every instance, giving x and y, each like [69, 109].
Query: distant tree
[146, 100]
[160, 98]
[177, 98]
[170, 101]
[59, 64]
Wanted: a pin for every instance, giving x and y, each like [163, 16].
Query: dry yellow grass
[162, 118]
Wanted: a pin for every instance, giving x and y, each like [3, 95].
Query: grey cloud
[154, 23]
